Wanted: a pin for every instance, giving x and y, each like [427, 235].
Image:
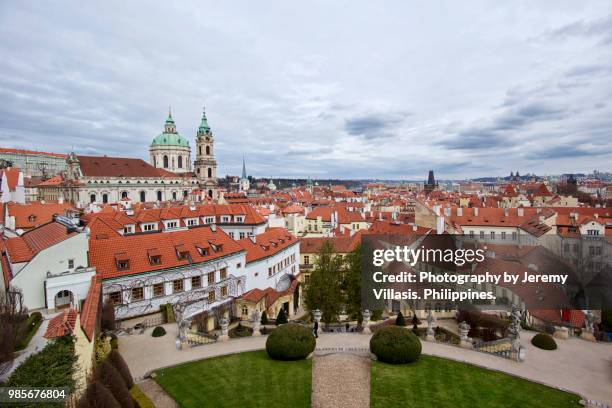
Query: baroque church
[169, 175]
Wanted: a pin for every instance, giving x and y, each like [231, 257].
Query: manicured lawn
[435, 382]
[239, 380]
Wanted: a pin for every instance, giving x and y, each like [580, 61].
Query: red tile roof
[271, 242]
[34, 214]
[104, 166]
[12, 177]
[26, 246]
[61, 324]
[31, 152]
[342, 245]
[103, 252]
[91, 308]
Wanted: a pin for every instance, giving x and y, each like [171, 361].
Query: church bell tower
[205, 164]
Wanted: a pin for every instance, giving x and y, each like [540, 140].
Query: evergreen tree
[110, 377]
[119, 363]
[97, 396]
[281, 318]
[264, 318]
[399, 321]
[324, 290]
[351, 284]
[415, 322]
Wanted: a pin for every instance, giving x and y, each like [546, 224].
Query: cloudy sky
[349, 89]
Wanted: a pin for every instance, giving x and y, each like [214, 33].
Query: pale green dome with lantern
[170, 137]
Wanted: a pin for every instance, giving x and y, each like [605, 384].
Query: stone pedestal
[366, 322]
[224, 323]
[465, 341]
[561, 333]
[430, 337]
[588, 336]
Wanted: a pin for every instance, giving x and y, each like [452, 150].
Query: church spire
[244, 174]
[204, 128]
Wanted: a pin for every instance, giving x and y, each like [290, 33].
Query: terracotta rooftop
[91, 307]
[34, 214]
[31, 152]
[61, 324]
[104, 166]
[26, 246]
[271, 242]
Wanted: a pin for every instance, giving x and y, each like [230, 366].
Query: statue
[589, 320]
[430, 321]
[256, 319]
[224, 323]
[366, 322]
[514, 330]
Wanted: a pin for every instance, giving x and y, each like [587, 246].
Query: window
[242, 235]
[245, 310]
[105, 198]
[238, 265]
[593, 232]
[159, 196]
[115, 297]
[128, 229]
[174, 195]
[492, 234]
[196, 282]
[209, 220]
[503, 235]
[158, 290]
[143, 196]
[155, 259]
[239, 218]
[225, 218]
[231, 235]
[223, 291]
[211, 278]
[191, 223]
[177, 285]
[148, 227]
[209, 172]
[123, 264]
[514, 236]
[180, 162]
[71, 264]
[137, 293]
[211, 296]
[165, 162]
[471, 234]
[171, 224]
[481, 234]
[270, 272]
[223, 274]
[306, 260]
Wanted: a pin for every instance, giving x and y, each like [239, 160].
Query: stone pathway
[37, 343]
[156, 394]
[340, 380]
[577, 365]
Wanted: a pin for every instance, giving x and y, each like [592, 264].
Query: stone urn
[464, 329]
[256, 319]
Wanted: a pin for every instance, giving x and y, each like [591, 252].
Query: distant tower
[72, 167]
[431, 182]
[205, 164]
[245, 184]
[271, 186]
[170, 150]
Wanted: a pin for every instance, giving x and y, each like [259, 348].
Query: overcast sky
[353, 89]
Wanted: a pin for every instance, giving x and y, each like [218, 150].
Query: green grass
[437, 382]
[33, 324]
[239, 380]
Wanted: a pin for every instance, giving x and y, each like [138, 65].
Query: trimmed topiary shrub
[119, 363]
[400, 321]
[290, 341]
[264, 318]
[240, 331]
[108, 375]
[395, 345]
[158, 331]
[281, 318]
[544, 341]
[97, 395]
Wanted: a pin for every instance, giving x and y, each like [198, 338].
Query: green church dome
[170, 137]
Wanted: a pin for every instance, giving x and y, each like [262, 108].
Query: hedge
[240, 331]
[108, 375]
[544, 341]
[97, 395]
[290, 341]
[140, 398]
[158, 331]
[119, 363]
[167, 312]
[395, 345]
[54, 366]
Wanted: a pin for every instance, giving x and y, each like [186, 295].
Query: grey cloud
[600, 27]
[374, 126]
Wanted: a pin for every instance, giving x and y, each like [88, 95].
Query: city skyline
[370, 96]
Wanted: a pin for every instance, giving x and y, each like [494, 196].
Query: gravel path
[341, 380]
[156, 394]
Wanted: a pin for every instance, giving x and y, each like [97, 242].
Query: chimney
[475, 211]
[521, 211]
[213, 227]
[459, 212]
[440, 225]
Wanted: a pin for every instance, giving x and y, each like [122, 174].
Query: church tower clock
[205, 164]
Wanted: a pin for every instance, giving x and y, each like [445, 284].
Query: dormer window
[203, 250]
[239, 218]
[32, 218]
[128, 229]
[122, 261]
[154, 256]
[209, 220]
[182, 252]
[225, 218]
[216, 247]
[172, 224]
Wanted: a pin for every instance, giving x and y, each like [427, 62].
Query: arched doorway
[63, 299]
